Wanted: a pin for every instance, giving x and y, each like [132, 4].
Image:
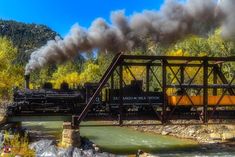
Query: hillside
[26, 37]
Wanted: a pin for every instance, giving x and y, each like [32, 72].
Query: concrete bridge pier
[70, 135]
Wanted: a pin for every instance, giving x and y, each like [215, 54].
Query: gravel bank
[212, 134]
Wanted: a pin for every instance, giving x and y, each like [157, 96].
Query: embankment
[220, 132]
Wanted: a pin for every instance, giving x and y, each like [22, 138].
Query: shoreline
[208, 136]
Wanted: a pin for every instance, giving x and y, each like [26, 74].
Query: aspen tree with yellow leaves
[11, 74]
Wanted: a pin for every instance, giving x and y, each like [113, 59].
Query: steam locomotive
[72, 101]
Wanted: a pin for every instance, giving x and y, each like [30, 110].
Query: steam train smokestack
[27, 79]
[174, 21]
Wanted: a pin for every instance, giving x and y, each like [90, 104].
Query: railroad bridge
[172, 88]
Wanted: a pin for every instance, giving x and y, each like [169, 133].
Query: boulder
[70, 152]
[77, 152]
[65, 152]
[51, 151]
[41, 146]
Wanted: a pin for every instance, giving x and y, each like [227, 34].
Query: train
[73, 100]
[134, 99]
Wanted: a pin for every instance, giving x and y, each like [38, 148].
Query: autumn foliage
[77, 73]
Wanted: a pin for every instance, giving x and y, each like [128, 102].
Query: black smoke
[172, 22]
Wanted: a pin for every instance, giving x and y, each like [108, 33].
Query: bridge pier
[70, 135]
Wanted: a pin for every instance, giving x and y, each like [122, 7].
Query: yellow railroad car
[198, 100]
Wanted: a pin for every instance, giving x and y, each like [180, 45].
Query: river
[122, 140]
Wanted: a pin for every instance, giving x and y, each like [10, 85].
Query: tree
[219, 46]
[91, 73]
[63, 73]
[10, 74]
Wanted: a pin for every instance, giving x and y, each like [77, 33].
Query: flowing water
[121, 140]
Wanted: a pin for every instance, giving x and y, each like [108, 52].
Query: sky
[60, 15]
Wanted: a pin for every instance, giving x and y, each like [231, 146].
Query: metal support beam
[223, 79]
[112, 81]
[205, 89]
[128, 69]
[182, 74]
[147, 78]
[120, 95]
[164, 89]
[178, 58]
[215, 81]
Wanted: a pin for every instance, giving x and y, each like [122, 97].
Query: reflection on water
[122, 140]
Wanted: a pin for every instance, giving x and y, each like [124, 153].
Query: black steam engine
[72, 101]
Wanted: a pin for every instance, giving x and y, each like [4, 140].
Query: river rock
[97, 149]
[51, 151]
[103, 155]
[231, 127]
[215, 136]
[77, 152]
[228, 136]
[165, 133]
[89, 153]
[40, 146]
[191, 131]
[65, 152]
[147, 155]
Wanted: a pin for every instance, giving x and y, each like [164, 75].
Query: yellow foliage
[73, 78]
[90, 74]
[138, 72]
[178, 52]
[19, 145]
[10, 75]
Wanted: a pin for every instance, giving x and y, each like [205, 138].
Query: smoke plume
[172, 22]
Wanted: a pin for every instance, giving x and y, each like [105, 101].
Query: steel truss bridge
[193, 88]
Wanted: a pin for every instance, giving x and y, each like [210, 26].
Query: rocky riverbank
[211, 134]
[45, 148]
